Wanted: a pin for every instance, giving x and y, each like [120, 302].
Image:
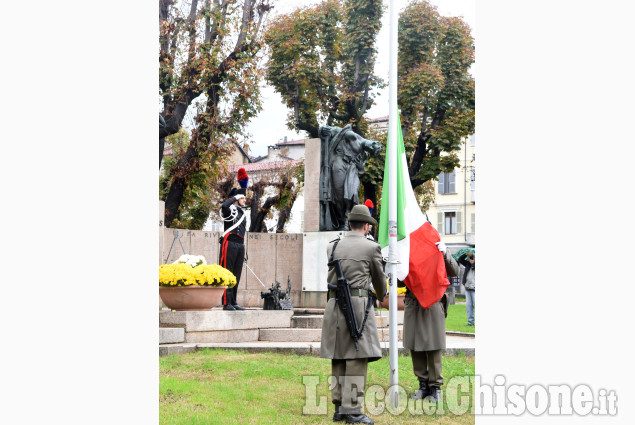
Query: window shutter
[440, 223]
[473, 223]
[441, 183]
[459, 222]
[452, 178]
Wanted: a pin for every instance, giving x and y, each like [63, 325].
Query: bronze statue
[342, 160]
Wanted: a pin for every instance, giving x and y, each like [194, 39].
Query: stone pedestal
[312, 155]
[314, 260]
[313, 299]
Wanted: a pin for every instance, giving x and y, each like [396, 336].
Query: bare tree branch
[248, 12]
[218, 26]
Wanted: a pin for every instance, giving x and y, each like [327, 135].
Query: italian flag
[421, 266]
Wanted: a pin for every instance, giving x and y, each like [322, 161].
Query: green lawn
[225, 387]
[457, 319]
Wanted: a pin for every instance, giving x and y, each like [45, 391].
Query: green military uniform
[424, 333]
[361, 263]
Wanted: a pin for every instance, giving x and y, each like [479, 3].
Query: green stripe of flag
[401, 196]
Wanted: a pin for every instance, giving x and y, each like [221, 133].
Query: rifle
[345, 302]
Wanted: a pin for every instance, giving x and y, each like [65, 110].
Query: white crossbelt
[235, 225]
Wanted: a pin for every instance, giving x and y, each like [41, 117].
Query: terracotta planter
[400, 298]
[192, 297]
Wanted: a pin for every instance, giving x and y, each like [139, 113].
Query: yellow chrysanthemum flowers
[400, 291]
[182, 274]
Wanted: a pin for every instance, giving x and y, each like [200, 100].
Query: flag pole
[392, 202]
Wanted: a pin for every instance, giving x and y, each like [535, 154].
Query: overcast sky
[269, 126]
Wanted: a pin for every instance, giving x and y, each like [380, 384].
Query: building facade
[285, 150]
[454, 212]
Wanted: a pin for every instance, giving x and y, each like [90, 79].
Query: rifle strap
[334, 246]
[368, 304]
[328, 294]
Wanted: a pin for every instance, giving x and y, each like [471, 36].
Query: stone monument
[342, 160]
[332, 164]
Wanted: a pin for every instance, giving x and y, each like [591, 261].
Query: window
[473, 223]
[447, 183]
[472, 140]
[449, 222]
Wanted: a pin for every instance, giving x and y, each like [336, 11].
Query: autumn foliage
[209, 70]
[436, 90]
[322, 61]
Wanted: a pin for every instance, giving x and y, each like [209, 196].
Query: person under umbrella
[468, 260]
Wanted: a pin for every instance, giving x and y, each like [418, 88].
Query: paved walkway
[454, 345]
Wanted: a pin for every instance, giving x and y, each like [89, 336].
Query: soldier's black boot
[337, 416]
[435, 394]
[422, 392]
[359, 418]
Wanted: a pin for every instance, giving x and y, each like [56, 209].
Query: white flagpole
[392, 203]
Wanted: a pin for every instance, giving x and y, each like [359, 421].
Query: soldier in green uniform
[424, 336]
[361, 263]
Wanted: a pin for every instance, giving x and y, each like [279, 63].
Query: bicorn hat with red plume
[243, 178]
[370, 206]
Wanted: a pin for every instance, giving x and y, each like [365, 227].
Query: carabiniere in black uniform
[232, 250]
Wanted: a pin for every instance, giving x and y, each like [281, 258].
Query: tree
[436, 90]
[209, 66]
[197, 199]
[322, 60]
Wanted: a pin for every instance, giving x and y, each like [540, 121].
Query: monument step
[177, 335]
[218, 319]
[384, 333]
[305, 311]
[315, 334]
[381, 321]
[315, 321]
[312, 335]
[230, 335]
[171, 335]
[386, 314]
[307, 322]
[169, 349]
[291, 335]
